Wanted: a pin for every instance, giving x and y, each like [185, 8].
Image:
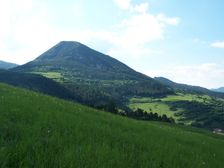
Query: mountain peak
[88, 72]
[78, 60]
[74, 43]
[66, 50]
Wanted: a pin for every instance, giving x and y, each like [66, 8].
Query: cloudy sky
[181, 40]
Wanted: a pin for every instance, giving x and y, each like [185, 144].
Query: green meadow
[42, 131]
[182, 107]
[52, 75]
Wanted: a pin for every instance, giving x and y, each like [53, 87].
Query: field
[205, 111]
[41, 131]
[52, 75]
[160, 106]
[150, 105]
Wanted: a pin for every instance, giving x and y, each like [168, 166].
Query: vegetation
[36, 83]
[52, 75]
[92, 78]
[198, 110]
[140, 114]
[41, 131]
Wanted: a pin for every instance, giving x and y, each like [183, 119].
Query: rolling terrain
[36, 83]
[42, 131]
[221, 89]
[7, 65]
[188, 88]
[189, 109]
[98, 80]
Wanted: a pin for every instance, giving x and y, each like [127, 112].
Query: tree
[165, 118]
[111, 107]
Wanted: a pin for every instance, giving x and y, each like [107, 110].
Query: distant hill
[36, 83]
[221, 89]
[7, 65]
[92, 76]
[41, 131]
[187, 88]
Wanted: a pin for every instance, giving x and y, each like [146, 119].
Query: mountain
[221, 89]
[91, 75]
[7, 65]
[36, 83]
[41, 131]
[78, 60]
[187, 88]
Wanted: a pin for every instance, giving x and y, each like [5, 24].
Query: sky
[180, 40]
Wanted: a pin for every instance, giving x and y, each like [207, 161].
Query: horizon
[156, 38]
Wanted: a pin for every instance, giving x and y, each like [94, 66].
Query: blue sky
[181, 40]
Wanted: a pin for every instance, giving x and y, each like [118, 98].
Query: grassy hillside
[198, 110]
[41, 131]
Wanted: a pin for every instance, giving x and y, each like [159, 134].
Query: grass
[158, 106]
[52, 75]
[41, 131]
[161, 106]
[187, 97]
[155, 107]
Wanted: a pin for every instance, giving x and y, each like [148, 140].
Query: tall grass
[41, 131]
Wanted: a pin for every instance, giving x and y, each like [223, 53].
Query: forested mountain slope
[92, 76]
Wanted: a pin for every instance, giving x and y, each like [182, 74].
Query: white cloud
[206, 75]
[142, 8]
[218, 44]
[27, 29]
[123, 4]
[137, 31]
[24, 30]
[127, 5]
[171, 21]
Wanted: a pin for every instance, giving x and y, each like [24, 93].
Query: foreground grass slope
[41, 131]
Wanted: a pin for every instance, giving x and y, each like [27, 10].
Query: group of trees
[143, 115]
[138, 114]
[209, 113]
[110, 107]
[96, 92]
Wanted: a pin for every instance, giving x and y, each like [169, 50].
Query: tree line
[138, 114]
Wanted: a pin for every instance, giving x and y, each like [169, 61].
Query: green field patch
[155, 107]
[189, 109]
[186, 97]
[52, 75]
